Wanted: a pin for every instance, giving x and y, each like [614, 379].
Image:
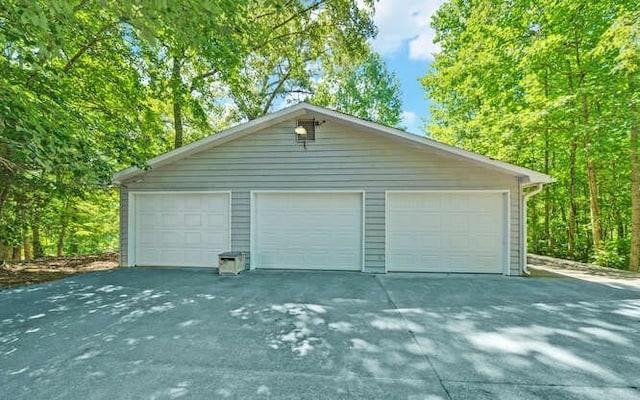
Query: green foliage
[368, 91]
[614, 254]
[289, 43]
[90, 87]
[547, 85]
[93, 226]
[72, 109]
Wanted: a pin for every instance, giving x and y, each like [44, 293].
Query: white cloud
[405, 22]
[422, 47]
[411, 122]
[408, 118]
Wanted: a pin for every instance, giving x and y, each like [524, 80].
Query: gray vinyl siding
[124, 232]
[374, 238]
[341, 158]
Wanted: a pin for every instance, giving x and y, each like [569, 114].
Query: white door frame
[131, 216]
[252, 223]
[506, 223]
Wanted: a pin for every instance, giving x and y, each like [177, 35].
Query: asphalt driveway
[165, 334]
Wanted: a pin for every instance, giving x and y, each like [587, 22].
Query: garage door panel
[170, 238]
[484, 242]
[457, 243]
[216, 219]
[456, 223]
[181, 229]
[147, 241]
[195, 239]
[484, 204]
[147, 219]
[217, 237]
[194, 203]
[406, 217]
[169, 202]
[446, 232]
[308, 231]
[153, 204]
[193, 220]
[192, 258]
[454, 203]
[172, 257]
[170, 220]
[274, 259]
[481, 222]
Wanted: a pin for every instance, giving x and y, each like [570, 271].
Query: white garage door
[307, 231]
[446, 232]
[180, 229]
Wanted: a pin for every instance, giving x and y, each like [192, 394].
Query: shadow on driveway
[167, 334]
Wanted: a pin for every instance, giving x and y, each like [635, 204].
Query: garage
[307, 230]
[179, 229]
[348, 194]
[459, 231]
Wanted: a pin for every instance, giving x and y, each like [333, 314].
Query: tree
[72, 108]
[621, 43]
[369, 91]
[525, 82]
[184, 48]
[296, 38]
[87, 88]
[253, 55]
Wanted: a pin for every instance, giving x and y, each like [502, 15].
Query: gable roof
[529, 176]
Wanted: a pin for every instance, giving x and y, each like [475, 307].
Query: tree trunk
[594, 208]
[22, 212]
[572, 199]
[634, 257]
[177, 121]
[596, 225]
[571, 245]
[547, 194]
[176, 90]
[27, 247]
[16, 254]
[65, 216]
[60, 246]
[62, 235]
[551, 244]
[37, 246]
[4, 192]
[5, 173]
[5, 253]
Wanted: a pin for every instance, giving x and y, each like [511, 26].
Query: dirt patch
[53, 268]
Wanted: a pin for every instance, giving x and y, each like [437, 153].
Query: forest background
[91, 87]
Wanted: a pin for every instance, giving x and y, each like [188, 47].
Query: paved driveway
[163, 334]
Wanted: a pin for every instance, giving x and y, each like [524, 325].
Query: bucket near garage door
[231, 263]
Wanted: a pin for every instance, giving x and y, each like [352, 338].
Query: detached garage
[310, 188]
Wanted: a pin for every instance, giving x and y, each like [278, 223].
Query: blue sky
[405, 41]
